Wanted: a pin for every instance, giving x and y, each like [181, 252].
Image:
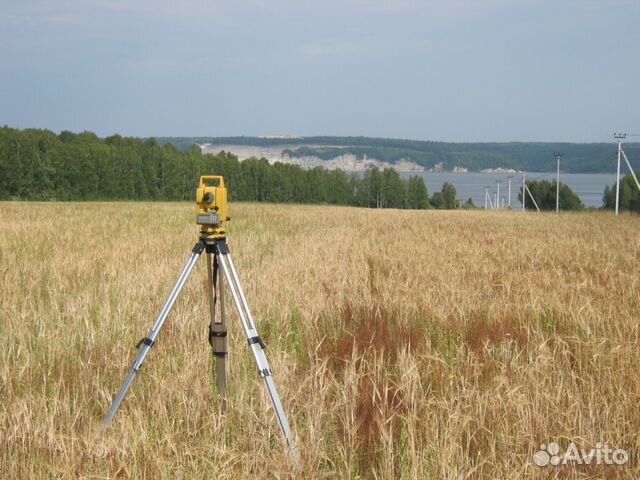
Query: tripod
[218, 255]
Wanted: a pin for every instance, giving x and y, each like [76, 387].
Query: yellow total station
[211, 207]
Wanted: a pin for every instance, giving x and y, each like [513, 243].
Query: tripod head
[211, 207]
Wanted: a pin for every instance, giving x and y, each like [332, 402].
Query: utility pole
[486, 197]
[558, 155]
[509, 177]
[498, 195]
[524, 188]
[619, 137]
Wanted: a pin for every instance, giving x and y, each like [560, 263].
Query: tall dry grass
[404, 344]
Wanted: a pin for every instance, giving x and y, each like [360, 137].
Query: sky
[442, 70]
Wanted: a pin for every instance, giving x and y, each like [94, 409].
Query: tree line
[544, 193]
[40, 165]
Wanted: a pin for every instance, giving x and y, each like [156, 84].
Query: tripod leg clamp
[213, 334]
[212, 341]
[199, 247]
[146, 341]
[256, 339]
[222, 248]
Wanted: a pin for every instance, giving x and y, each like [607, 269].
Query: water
[588, 186]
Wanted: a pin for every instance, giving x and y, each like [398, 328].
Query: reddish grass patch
[370, 335]
[480, 331]
[373, 330]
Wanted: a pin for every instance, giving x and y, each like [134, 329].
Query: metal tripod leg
[217, 327]
[146, 343]
[256, 344]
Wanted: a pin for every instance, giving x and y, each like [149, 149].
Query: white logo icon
[549, 454]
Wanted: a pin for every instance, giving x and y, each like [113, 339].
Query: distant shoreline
[362, 153]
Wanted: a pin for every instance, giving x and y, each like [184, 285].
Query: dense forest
[40, 165]
[529, 156]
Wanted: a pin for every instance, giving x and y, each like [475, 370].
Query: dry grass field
[404, 344]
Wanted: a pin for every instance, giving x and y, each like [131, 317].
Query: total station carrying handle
[211, 178]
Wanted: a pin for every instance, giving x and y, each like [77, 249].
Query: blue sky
[456, 70]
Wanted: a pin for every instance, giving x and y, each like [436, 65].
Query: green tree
[629, 194]
[449, 196]
[375, 181]
[544, 193]
[339, 189]
[360, 190]
[393, 190]
[437, 200]
[417, 194]
[469, 203]
[318, 186]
